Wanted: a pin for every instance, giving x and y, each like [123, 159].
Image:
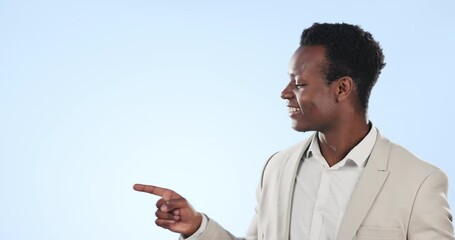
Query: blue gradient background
[98, 95]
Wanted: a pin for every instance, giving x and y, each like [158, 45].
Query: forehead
[307, 58]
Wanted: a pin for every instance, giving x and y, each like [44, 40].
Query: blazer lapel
[286, 188]
[368, 187]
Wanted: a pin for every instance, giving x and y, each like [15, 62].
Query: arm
[215, 231]
[431, 217]
[176, 214]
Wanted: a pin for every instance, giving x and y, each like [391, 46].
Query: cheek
[307, 102]
[316, 104]
[319, 105]
[302, 99]
[327, 106]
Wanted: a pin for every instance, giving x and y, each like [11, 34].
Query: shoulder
[404, 159]
[404, 163]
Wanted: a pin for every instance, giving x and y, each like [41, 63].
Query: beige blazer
[397, 197]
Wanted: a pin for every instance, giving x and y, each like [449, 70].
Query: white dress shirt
[322, 193]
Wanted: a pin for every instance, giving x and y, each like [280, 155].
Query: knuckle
[159, 203]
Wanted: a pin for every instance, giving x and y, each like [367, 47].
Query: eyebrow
[294, 74]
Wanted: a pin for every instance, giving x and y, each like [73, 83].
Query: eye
[299, 86]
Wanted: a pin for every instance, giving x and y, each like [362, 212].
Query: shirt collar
[359, 154]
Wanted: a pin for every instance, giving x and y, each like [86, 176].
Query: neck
[336, 143]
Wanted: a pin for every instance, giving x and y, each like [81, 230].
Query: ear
[344, 87]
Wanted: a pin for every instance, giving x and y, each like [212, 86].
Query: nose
[287, 92]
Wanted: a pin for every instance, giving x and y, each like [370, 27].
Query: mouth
[293, 110]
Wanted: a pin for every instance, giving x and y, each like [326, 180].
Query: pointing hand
[173, 211]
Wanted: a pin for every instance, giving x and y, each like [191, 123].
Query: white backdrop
[98, 95]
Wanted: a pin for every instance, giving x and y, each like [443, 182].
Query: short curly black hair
[350, 51]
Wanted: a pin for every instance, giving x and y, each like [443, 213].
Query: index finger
[155, 190]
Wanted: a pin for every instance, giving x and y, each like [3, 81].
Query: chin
[304, 126]
[300, 128]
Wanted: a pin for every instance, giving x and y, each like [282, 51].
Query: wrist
[194, 227]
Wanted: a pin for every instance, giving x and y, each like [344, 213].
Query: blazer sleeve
[431, 217]
[215, 231]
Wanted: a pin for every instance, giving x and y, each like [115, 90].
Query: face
[310, 99]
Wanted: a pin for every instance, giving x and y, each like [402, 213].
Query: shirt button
[319, 208]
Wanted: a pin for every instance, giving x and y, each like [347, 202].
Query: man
[345, 182]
